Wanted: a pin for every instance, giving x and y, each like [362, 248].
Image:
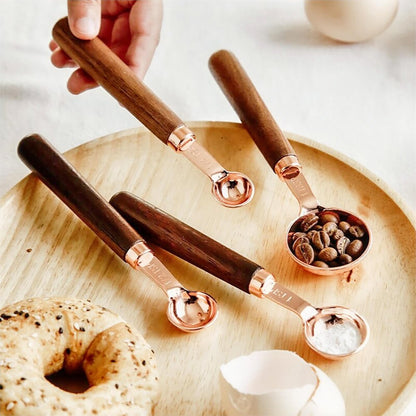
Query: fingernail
[86, 26]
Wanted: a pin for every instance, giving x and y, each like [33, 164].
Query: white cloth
[359, 99]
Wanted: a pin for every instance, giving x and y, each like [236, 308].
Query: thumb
[84, 18]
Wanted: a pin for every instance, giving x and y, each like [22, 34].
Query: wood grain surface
[48, 251]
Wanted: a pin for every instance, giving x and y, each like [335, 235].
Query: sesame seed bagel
[41, 336]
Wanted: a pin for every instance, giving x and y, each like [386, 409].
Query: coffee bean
[300, 240]
[328, 216]
[296, 235]
[355, 248]
[356, 231]
[342, 245]
[319, 263]
[309, 221]
[304, 252]
[345, 259]
[344, 226]
[330, 228]
[320, 240]
[337, 235]
[327, 254]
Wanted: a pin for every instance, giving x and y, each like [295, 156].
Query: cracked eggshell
[277, 382]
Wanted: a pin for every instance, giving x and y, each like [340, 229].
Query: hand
[131, 28]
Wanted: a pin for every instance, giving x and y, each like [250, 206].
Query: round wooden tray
[48, 251]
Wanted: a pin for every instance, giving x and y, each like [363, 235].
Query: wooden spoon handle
[250, 107]
[98, 61]
[185, 242]
[61, 177]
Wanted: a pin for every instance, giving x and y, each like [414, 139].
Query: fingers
[79, 82]
[84, 18]
[145, 25]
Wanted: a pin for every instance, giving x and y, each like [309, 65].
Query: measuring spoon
[334, 332]
[281, 157]
[231, 189]
[187, 310]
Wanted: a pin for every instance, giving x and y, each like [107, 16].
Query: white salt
[337, 337]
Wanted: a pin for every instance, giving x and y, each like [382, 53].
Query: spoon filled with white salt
[334, 332]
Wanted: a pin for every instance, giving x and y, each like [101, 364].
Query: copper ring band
[181, 138]
[261, 283]
[136, 252]
[287, 167]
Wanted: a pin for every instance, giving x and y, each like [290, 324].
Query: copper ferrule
[139, 255]
[261, 283]
[181, 138]
[288, 167]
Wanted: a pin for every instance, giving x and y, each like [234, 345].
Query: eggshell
[277, 382]
[351, 20]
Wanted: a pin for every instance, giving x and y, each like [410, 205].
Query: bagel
[41, 336]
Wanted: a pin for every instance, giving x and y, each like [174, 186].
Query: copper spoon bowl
[281, 157]
[187, 310]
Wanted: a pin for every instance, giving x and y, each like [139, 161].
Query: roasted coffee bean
[345, 259]
[319, 263]
[296, 235]
[344, 226]
[317, 227]
[320, 240]
[337, 235]
[328, 216]
[300, 240]
[342, 245]
[356, 231]
[330, 227]
[355, 248]
[304, 252]
[327, 254]
[308, 222]
[310, 233]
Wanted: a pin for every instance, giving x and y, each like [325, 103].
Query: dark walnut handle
[104, 66]
[246, 101]
[184, 241]
[61, 177]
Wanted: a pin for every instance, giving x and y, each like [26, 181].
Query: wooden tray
[47, 251]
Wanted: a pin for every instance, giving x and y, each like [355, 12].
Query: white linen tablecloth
[359, 99]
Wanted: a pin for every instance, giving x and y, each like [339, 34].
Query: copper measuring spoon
[231, 189]
[187, 310]
[281, 157]
[191, 245]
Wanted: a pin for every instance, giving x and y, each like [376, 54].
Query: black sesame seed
[144, 362]
[116, 386]
[37, 323]
[82, 329]
[68, 351]
[20, 313]
[58, 317]
[113, 361]
[26, 315]
[23, 378]
[5, 316]
[1, 386]
[61, 330]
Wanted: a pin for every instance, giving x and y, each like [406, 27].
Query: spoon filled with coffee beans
[324, 241]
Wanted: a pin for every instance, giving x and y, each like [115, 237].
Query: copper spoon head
[189, 310]
[232, 189]
[336, 332]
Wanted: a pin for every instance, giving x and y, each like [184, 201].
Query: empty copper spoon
[231, 189]
[187, 310]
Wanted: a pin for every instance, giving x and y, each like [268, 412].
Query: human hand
[131, 28]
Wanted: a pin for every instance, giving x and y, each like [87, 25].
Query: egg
[277, 382]
[351, 20]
